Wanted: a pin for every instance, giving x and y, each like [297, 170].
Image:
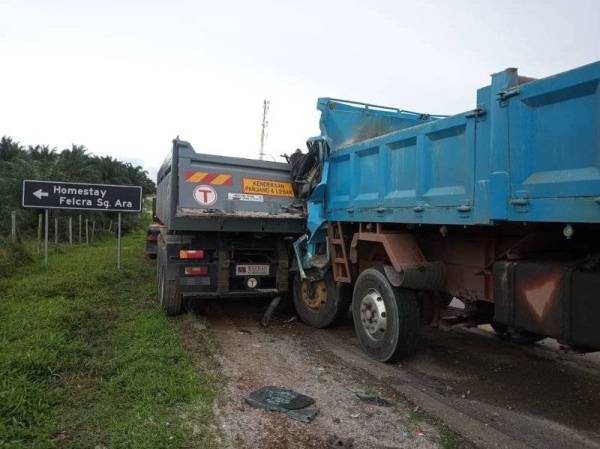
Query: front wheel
[386, 319]
[321, 303]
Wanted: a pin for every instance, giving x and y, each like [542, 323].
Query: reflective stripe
[221, 179]
[216, 179]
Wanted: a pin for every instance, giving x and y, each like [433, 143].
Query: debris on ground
[266, 319]
[335, 442]
[283, 400]
[374, 399]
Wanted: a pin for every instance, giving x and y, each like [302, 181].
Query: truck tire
[386, 319]
[323, 306]
[169, 297]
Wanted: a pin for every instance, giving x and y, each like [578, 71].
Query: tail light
[152, 237]
[191, 254]
[196, 271]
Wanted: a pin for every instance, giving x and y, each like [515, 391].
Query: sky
[125, 77]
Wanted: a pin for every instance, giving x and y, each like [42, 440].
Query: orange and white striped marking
[215, 179]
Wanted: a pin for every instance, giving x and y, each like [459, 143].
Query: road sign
[75, 195]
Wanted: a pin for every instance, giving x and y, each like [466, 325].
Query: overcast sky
[125, 77]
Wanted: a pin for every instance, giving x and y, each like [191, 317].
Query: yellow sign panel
[267, 187]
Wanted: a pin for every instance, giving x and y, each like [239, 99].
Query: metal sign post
[82, 196]
[39, 234]
[119, 241]
[46, 237]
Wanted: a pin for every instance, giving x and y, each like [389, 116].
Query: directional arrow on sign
[40, 193]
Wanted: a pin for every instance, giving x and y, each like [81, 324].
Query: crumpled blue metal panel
[346, 122]
[529, 151]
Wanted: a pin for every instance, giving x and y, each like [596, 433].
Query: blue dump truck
[225, 226]
[498, 206]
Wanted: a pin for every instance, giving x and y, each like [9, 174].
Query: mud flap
[549, 298]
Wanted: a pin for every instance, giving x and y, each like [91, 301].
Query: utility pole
[263, 131]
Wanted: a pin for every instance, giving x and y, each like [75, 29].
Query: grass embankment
[88, 360]
[12, 256]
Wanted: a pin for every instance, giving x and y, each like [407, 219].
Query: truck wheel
[169, 297]
[321, 304]
[386, 319]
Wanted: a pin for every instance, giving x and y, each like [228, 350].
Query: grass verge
[12, 256]
[89, 361]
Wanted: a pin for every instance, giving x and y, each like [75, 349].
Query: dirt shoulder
[250, 357]
[462, 389]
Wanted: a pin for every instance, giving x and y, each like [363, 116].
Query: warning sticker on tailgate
[267, 187]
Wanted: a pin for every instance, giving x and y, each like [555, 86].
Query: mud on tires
[323, 304]
[386, 319]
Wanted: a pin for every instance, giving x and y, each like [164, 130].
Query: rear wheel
[169, 297]
[321, 303]
[386, 319]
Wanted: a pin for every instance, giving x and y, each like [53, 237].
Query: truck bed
[203, 192]
[528, 152]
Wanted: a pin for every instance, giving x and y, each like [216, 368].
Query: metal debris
[266, 319]
[374, 400]
[289, 402]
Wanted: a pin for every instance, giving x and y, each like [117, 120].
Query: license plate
[252, 270]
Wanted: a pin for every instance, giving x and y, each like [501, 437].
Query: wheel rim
[373, 314]
[314, 296]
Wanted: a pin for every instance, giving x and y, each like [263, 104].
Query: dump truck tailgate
[212, 192]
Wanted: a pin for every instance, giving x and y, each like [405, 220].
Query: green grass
[12, 256]
[448, 438]
[89, 361]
